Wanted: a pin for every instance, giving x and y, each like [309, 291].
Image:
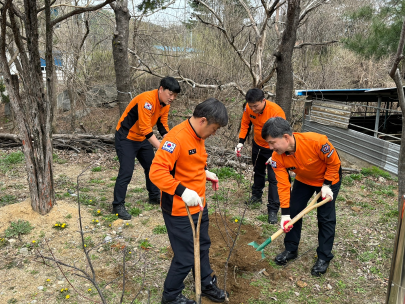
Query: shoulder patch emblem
[254, 117]
[148, 106]
[169, 146]
[192, 151]
[273, 164]
[325, 148]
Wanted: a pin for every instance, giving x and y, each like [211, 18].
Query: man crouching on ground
[179, 171]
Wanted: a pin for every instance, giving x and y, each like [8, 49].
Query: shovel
[310, 206]
[196, 238]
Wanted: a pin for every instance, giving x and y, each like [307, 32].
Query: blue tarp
[57, 62]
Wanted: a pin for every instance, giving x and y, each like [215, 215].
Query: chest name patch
[169, 146]
[192, 151]
[273, 164]
[325, 148]
[148, 106]
[254, 117]
[331, 152]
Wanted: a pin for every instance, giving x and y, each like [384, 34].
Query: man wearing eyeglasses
[256, 112]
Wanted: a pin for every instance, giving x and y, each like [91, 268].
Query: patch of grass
[18, 228]
[96, 169]
[113, 178]
[237, 219]
[160, 229]
[262, 218]
[218, 197]
[391, 214]
[87, 200]
[387, 192]
[226, 173]
[367, 256]
[340, 199]
[137, 190]
[134, 211]
[85, 189]
[376, 172]
[8, 161]
[96, 181]
[7, 200]
[58, 160]
[358, 176]
[347, 181]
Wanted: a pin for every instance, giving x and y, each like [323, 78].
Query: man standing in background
[134, 138]
[257, 111]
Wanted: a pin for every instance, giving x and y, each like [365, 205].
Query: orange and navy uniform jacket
[250, 118]
[315, 162]
[142, 113]
[179, 163]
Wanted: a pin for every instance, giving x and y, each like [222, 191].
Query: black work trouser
[181, 240]
[326, 214]
[127, 150]
[259, 157]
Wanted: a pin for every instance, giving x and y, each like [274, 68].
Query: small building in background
[58, 66]
[363, 123]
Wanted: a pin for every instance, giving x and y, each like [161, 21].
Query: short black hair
[254, 95]
[276, 127]
[171, 84]
[213, 110]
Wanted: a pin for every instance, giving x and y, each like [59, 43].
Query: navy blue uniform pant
[181, 240]
[326, 214]
[259, 157]
[127, 150]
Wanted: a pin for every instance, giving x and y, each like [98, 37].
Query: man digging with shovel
[179, 171]
[317, 167]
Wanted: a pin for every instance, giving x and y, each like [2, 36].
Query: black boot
[121, 211]
[254, 200]
[319, 268]
[285, 256]
[213, 292]
[272, 218]
[180, 299]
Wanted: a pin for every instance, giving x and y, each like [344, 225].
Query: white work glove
[326, 191]
[284, 220]
[213, 178]
[268, 162]
[238, 148]
[191, 198]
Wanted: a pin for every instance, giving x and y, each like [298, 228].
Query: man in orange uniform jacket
[134, 138]
[179, 170]
[317, 167]
[257, 111]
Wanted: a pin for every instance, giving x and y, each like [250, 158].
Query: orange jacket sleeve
[244, 125]
[145, 112]
[164, 162]
[328, 154]
[283, 181]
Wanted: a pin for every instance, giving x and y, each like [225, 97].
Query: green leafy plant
[96, 169]
[18, 228]
[7, 200]
[160, 229]
[134, 211]
[226, 172]
[376, 172]
[145, 244]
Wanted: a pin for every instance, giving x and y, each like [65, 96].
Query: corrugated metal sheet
[329, 113]
[373, 150]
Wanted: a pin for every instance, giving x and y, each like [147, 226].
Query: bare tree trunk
[120, 53]
[285, 81]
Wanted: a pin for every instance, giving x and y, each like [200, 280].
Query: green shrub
[18, 228]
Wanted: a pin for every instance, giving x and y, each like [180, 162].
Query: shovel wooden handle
[196, 239]
[307, 209]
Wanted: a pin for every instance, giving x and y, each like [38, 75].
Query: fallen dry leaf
[301, 284]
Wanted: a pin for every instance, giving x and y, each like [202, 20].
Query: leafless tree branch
[300, 46]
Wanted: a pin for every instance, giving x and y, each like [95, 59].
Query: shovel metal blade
[256, 245]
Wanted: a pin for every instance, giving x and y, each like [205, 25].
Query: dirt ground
[366, 212]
